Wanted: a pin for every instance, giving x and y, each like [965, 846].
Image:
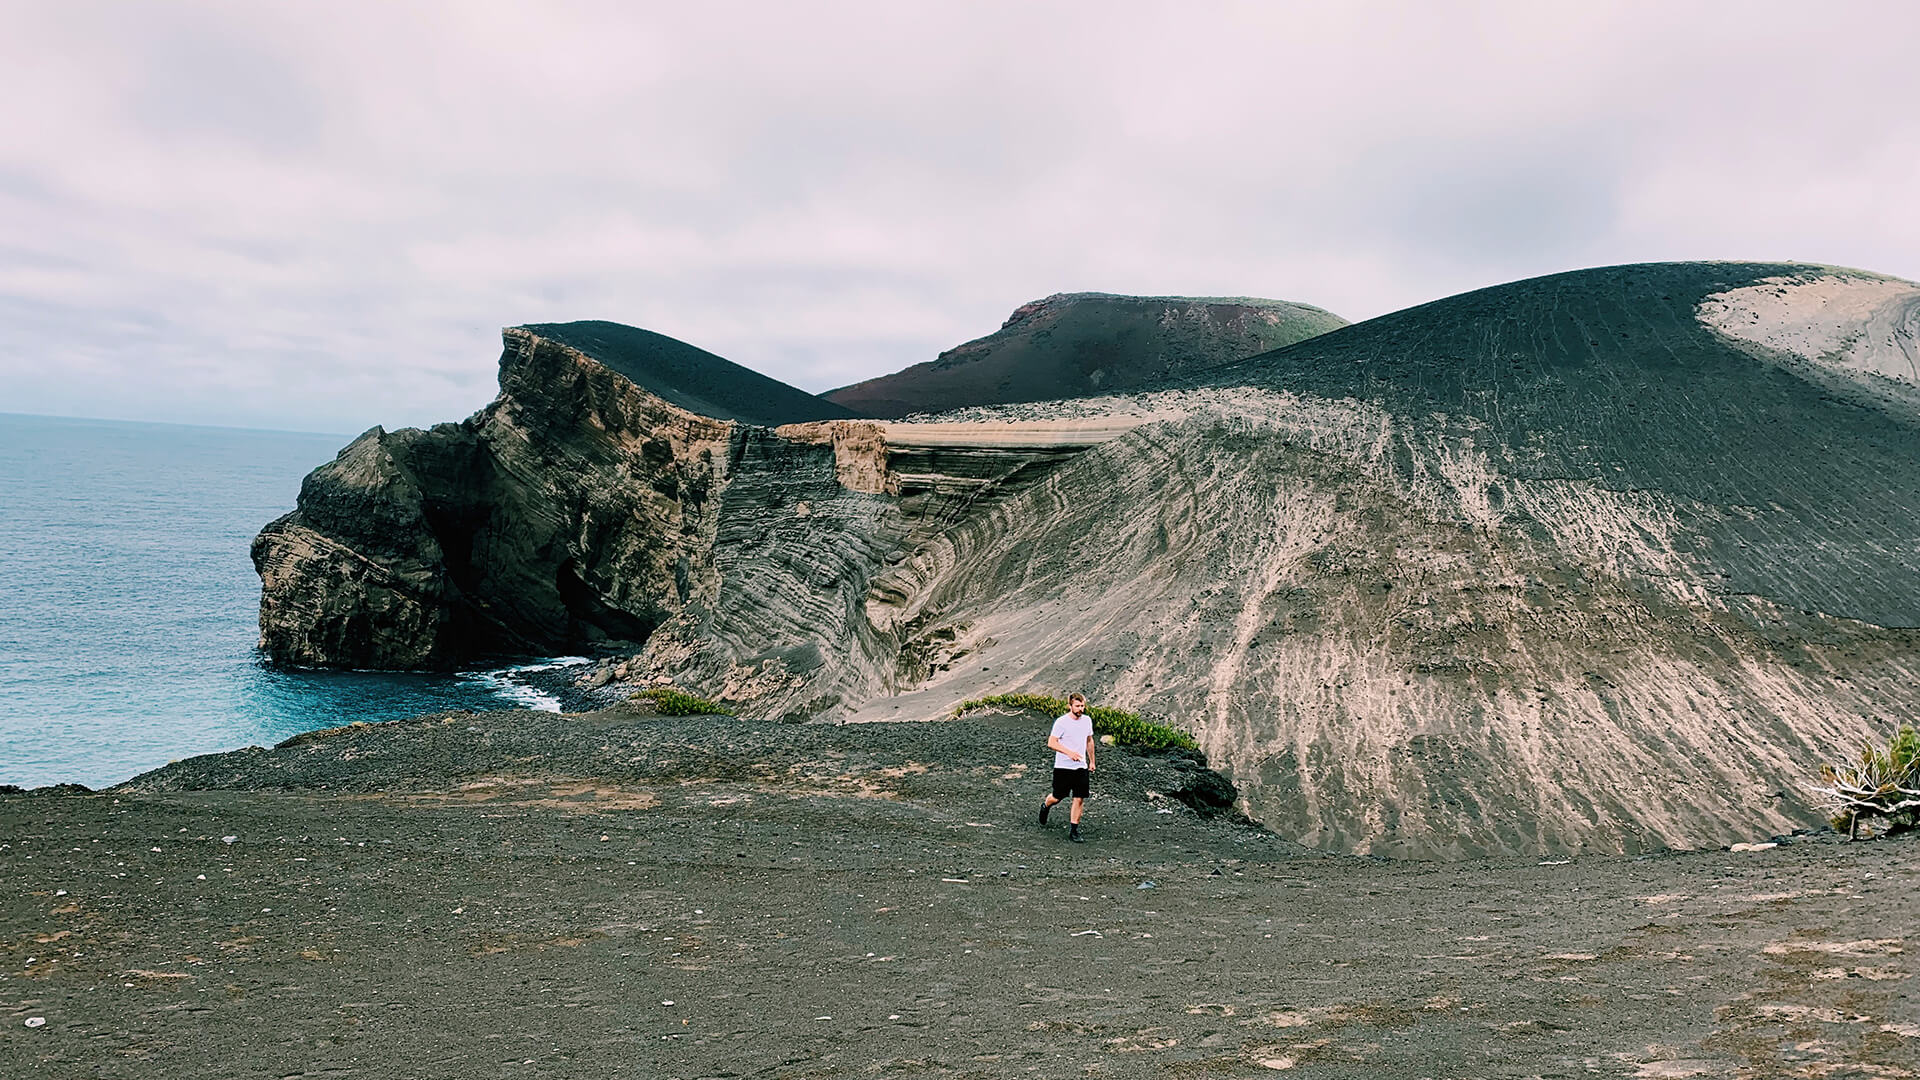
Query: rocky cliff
[577, 509]
[1606, 561]
[1076, 344]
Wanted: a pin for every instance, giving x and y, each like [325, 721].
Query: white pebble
[36, 1021]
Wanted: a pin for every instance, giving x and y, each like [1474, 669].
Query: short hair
[1076, 696]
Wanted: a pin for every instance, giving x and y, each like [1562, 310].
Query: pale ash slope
[1425, 631]
[1379, 663]
[1541, 568]
[1854, 322]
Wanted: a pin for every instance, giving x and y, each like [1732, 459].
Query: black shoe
[1073, 834]
[1044, 807]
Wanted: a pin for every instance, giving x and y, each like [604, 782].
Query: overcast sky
[318, 215]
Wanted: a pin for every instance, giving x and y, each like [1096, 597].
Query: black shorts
[1069, 782]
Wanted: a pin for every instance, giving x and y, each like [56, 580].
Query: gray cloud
[318, 216]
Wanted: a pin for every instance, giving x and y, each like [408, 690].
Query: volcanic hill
[1609, 560]
[1076, 344]
[688, 377]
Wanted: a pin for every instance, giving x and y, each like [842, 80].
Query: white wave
[551, 664]
[502, 681]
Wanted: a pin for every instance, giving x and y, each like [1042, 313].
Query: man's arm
[1054, 744]
[1090, 741]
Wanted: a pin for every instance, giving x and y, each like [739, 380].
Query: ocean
[129, 606]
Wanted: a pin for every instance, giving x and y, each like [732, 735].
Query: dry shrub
[1882, 783]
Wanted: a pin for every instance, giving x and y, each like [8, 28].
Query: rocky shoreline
[618, 893]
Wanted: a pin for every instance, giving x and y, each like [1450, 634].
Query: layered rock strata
[575, 509]
[1581, 563]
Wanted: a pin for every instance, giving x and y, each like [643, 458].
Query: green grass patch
[1127, 729]
[668, 701]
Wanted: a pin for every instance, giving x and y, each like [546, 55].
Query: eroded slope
[1318, 590]
[1802, 490]
[1559, 565]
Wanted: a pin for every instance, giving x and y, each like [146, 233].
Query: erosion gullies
[1075, 344]
[1378, 670]
[1602, 561]
[818, 522]
[1798, 489]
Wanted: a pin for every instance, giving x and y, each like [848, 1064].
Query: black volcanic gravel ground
[525, 895]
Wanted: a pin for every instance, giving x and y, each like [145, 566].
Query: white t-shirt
[1073, 731]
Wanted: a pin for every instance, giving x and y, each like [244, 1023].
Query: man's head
[1076, 703]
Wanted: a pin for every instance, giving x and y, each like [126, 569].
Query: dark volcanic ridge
[688, 377]
[1773, 404]
[1075, 344]
[1608, 560]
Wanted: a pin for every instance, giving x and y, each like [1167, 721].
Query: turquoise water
[128, 604]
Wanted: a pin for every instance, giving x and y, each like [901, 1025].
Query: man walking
[1072, 743]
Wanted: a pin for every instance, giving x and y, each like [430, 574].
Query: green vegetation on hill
[668, 701]
[1127, 729]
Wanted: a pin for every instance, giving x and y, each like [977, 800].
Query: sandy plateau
[617, 894]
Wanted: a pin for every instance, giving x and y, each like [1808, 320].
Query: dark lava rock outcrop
[1609, 560]
[576, 509]
[1076, 344]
